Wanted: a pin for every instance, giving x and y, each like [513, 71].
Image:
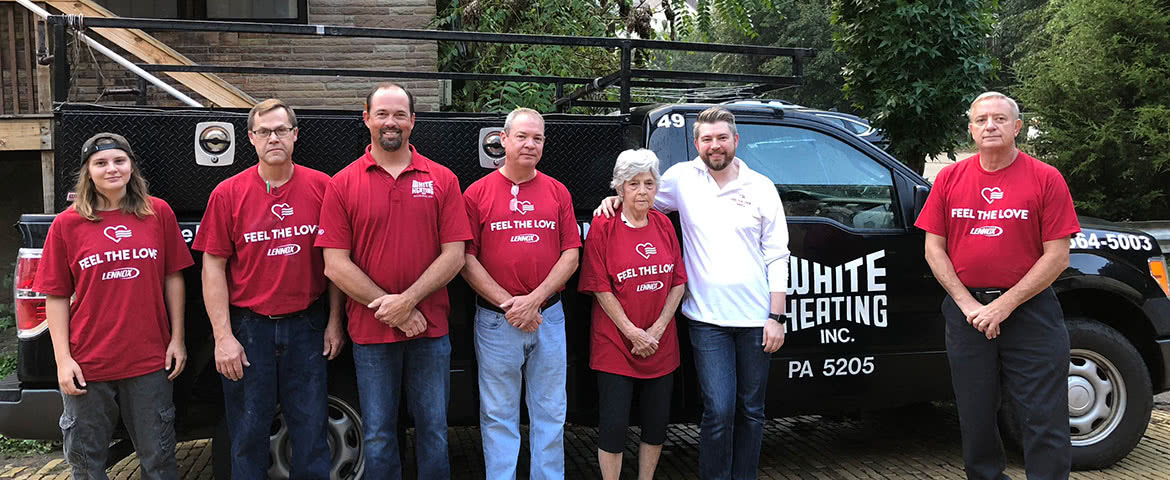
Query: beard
[719, 164]
[390, 144]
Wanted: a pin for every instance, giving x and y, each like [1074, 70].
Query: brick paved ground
[918, 443]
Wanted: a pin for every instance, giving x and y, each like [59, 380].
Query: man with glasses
[524, 249]
[1003, 321]
[393, 230]
[263, 287]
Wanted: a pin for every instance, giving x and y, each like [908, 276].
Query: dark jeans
[733, 377]
[423, 368]
[1030, 357]
[144, 402]
[286, 365]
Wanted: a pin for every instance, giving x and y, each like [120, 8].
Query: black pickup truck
[865, 330]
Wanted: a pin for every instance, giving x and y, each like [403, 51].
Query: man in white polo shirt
[736, 253]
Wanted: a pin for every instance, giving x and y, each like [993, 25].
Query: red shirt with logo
[639, 266]
[267, 236]
[393, 229]
[118, 323]
[996, 222]
[518, 238]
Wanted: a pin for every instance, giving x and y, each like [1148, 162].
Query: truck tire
[345, 444]
[1110, 396]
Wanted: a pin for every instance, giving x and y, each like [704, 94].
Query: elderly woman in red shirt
[633, 267]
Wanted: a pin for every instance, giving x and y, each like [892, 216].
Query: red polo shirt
[393, 229]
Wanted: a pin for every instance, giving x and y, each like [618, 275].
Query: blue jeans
[733, 377]
[286, 365]
[422, 367]
[507, 356]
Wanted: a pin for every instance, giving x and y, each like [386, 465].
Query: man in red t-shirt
[524, 249]
[263, 287]
[997, 235]
[393, 227]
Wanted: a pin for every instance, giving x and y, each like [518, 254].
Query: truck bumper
[32, 414]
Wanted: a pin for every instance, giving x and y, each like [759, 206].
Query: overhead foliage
[912, 68]
[1099, 84]
[597, 18]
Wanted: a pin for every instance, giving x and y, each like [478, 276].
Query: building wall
[348, 93]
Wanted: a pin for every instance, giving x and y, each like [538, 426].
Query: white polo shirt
[735, 242]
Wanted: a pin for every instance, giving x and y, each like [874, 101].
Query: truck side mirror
[920, 194]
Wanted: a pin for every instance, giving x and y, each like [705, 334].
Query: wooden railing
[24, 84]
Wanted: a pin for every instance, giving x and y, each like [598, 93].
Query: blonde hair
[268, 106]
[137, 198]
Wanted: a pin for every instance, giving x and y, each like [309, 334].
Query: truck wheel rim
[1096, 395]
[344, 431]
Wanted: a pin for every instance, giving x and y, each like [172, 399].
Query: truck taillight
[1158, 270]
[30, 305]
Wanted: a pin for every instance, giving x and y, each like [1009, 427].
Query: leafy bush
[1100, 86]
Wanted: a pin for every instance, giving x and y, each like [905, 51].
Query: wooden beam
[151, 50]
[48, 184]
[26, 133]
[44, 86]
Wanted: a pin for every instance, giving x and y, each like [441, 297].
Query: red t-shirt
[393, 230]
[118, 324]
[996, 222]
[639, 266]
[267, 237]
[520, 240]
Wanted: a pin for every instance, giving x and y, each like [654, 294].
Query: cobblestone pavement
[920, 443]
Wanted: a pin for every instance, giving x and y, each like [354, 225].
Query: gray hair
[715, 114]
[631, 163]
[521, 111]
[986, 95]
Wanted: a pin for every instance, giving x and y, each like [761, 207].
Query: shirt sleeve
[666, 200]
[594, 277]
[336, 231]
[215, 230]
[470, 198]
[54, 276]
[570, 237]
[933, 216]
[178, 256]
[453, 226]
[774, 239]
[680, 268]
[1058, 216]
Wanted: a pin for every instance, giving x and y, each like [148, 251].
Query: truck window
[820, 176]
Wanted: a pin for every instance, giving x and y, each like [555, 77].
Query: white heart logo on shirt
[991, 194]
[117, 233]
[524, 207]
[282, 210]
[645, 250]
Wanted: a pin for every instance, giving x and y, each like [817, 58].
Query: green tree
[1017, 21]
[1100, 88]
[598, 18]
[913, 66]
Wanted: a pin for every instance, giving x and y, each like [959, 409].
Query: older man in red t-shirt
[393, 227]
[997, 235]
[524, 249]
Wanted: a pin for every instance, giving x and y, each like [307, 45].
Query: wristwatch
[775, 316]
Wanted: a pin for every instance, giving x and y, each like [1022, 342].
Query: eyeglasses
[280, 132]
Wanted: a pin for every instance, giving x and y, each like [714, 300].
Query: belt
[312, 305]
[482, 302]
[986, 295]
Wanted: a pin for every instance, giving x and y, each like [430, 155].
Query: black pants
[1030, 360]
[616, 392]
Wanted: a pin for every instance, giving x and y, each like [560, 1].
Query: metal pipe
[63, 96]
